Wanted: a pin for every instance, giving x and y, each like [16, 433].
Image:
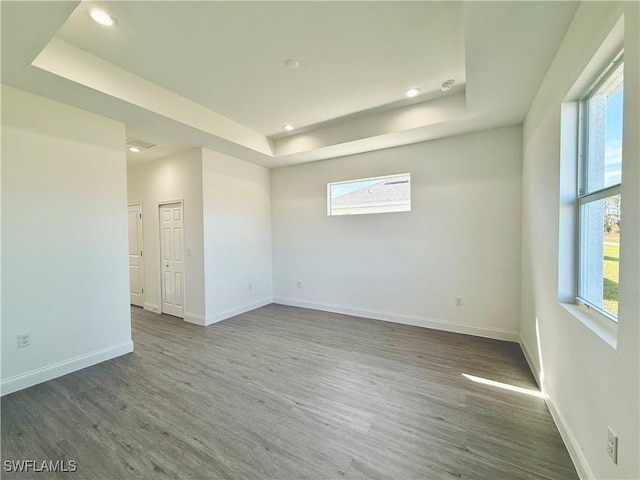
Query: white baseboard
[570, 441]
[573, 447]
[232, 312]
[195, 318]
[533, 366]
[152, 307]
[496, 333]
[25, 380]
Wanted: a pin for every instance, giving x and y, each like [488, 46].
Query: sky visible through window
[613, 138]
[344, 188]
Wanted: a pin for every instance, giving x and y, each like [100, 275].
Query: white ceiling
[189, 74]
[229, 56]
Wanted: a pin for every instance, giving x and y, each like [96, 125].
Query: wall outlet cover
[612, 445]
[24, 339]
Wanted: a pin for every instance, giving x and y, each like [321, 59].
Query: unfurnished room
[320, 240]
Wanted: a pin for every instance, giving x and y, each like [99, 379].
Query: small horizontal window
[370, 195]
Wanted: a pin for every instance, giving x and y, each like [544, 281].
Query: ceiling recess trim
[68, 61]
[385, 124]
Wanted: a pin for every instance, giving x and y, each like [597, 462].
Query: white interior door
[171, 251]
[136, 264]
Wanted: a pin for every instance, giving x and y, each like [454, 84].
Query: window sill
[594, 321]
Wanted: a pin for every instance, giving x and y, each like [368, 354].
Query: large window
[370, 195]
[599, 199]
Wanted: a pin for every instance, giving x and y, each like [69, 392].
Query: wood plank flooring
[290, 393]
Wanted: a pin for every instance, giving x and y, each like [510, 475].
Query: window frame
[583, 196]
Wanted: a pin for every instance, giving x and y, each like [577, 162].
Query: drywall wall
[64, 239]
[178, 177]
[462, 237]
[237, 235]
[591, 385]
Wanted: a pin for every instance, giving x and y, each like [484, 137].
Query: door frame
[160, 262]
[142, 257]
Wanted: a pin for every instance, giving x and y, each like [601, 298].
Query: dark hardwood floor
[290, 393]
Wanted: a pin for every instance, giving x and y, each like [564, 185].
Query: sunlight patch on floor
[505, 386]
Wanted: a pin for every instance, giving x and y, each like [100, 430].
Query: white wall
[462, 236]
[237, 235]
[178, 177]
[64, 239]
[591, 384]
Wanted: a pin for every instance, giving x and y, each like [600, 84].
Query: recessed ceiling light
[102, 17]
[134, 149]
[412, 92]
[446, 86]
[292, 64]
[288, 127]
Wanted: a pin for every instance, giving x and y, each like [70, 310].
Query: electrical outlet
[612, 445]
[24, 339]
[299, 284]
[459, 301]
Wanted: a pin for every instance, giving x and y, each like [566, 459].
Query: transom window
[599, 198]
[370, 195]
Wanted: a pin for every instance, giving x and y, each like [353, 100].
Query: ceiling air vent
[136, 142]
